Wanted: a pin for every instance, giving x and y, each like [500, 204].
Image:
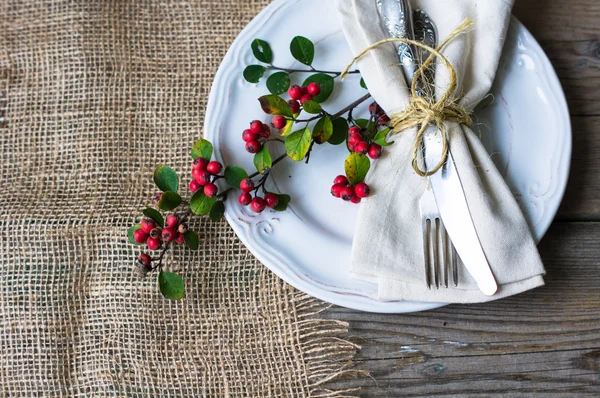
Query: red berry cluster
[256, 135]
[358, 143]
[350, 193]
[303, 93]
[258, 203]
[203, 175]
[153, 235]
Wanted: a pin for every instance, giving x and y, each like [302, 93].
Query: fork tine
[454, 265]
[446, 258]
[426, 240]
[435, 247]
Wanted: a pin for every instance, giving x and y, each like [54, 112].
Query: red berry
[354, 140]
[266, 131]
[342, 180]
[336, 190]
[194, 186]
[294, 106]
[362, 190]
[295, 92]
[256, 126]
[148, 225]
[248, 135]
[156, 232]
[210, 190]
[361, 147]
[305, 98]
[354, 130]
[168, 234]
[304, 90]
[245, 198]
[139, 236]
[196, 173]
[374, 108]
[347, 193]
[157, 198]
[253, 146]
[258, 204]
[153, 243]
[313, 89]
[199, 164]
[172, 220]
[383, 119]
[355, 200]
[180, 239]
[279, 122]
[145, 260]
[271, 199]
[214, 167]
[351, 147]
[246, 185]
[203, 177]
[375, 151]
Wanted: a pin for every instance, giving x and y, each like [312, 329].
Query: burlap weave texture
[93, 95]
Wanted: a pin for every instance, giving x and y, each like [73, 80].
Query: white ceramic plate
[309, 244]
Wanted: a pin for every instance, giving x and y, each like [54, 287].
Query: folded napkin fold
[388, 246]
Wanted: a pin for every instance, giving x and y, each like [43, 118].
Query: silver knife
[445, 184]
[455, 213]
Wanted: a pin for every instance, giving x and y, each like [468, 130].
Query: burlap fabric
[93, 95]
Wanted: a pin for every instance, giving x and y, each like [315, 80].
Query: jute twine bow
[421, 111]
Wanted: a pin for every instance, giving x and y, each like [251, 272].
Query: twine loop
[424, 110]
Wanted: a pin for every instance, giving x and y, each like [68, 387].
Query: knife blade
[455, 214]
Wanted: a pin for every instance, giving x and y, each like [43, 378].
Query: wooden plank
[542, 342]
[582, 198]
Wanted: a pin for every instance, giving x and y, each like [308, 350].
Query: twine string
[423, 111]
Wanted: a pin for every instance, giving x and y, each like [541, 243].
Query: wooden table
[540, 343]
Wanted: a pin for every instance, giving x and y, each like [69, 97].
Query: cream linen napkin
[387, 248]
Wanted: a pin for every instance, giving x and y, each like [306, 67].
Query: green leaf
[262, 160]
[130, 232]
[166, 179]
[284, 200]
[217, 211]
[298, 143]
[323, 130]
[169, 200]
[275, 105]
[200, 204]
[234, 175]
[202, 148]
[262, 51]
[357, 166]
[362, 123]
[289, 125]
[312, 107]
[302, 49]
[253, 73]
[381, 136]
[191, 240]
[171, 285]
[340, 131]
[325, 81]
[155, 215]
[363, 84]
[278, 83]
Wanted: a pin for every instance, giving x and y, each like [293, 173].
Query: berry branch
[212, 181]
[295, 70]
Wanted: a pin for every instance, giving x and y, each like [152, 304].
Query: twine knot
[423, 110]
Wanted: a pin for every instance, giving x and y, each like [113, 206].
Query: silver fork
[439, 256]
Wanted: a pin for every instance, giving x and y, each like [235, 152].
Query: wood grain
[546, 341]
